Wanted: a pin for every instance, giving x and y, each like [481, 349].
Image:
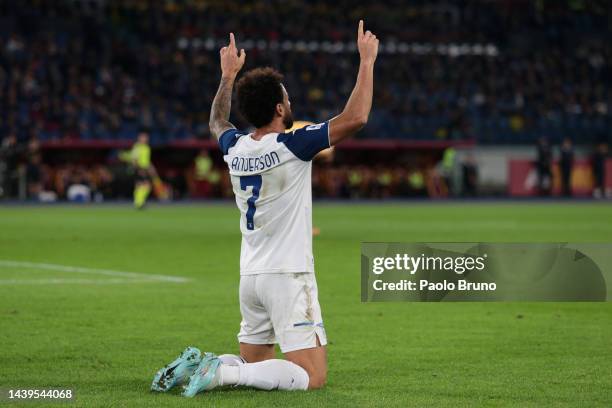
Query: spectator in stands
[566, 164]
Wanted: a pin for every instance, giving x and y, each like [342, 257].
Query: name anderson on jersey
[255, 163]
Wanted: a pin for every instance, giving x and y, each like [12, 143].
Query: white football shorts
[281, 308]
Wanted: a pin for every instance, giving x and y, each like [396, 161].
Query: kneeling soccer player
[271, 177]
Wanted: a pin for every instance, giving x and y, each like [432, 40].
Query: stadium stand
[499, 72]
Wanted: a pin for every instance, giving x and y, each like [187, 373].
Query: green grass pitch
[105, 340]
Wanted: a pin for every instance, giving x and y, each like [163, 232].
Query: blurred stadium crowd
[104, 69]
[497, 72]
[203, 178]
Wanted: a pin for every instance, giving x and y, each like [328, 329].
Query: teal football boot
[206, 377]
[178, 371]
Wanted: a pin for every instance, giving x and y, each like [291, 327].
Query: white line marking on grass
[134, 277]
[74, 281]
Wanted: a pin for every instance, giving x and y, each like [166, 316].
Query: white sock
[231, 359]
[229, 368]
[270, 375]
[230, 374]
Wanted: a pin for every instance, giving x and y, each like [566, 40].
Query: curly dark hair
[259, 91]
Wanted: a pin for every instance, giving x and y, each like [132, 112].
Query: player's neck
[276, 126]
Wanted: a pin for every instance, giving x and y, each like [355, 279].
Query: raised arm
[355, 113]
[231, 63]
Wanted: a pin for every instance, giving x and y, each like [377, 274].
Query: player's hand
[231, 61]
[367, 43]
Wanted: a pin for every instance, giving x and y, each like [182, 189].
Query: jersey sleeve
[306, 142]
[228, 139]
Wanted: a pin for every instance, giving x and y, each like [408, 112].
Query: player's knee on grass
[317, 371]
[317, 374]
[317, 380]
[314, 362]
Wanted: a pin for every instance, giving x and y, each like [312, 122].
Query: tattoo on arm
[221, 107]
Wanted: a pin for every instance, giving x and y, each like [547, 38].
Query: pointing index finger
[360, 29]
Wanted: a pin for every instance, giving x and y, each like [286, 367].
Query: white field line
[53, 281]
[141, 277]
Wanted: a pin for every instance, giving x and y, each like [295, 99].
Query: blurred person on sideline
[470, 176]
[566, 164]
[202, 175]
[599, 171]
[449, 170]
[543, 165]
[140, 156]
[79, 187]
[176, 183]
[102, 181]
[34, 176]
[443, 175]
[416, 181]
[10, 153]
[355, 182]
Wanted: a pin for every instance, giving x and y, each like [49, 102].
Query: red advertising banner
[523, 178]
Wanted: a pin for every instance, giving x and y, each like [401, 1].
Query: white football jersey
[271, 178]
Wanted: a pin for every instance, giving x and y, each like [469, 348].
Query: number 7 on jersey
[255, 182]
